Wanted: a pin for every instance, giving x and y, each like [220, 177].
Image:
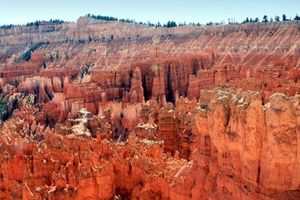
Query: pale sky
[202, 11]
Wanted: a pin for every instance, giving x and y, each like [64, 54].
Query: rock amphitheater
[113, 110]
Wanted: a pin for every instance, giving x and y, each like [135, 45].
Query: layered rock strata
[109, 110]
[242, 150]
[157, 62]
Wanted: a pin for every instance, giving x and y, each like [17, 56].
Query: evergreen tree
[246, 20]
[158, 24]
[170, 24]
[284, 17]
[265, 18]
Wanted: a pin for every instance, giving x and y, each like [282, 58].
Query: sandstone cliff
[238, 148]
[135, 116]
[183, 59]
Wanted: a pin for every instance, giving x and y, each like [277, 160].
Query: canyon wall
[111, 110]
[238, 149]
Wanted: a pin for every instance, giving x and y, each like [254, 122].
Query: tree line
[266, 19]
[169, 24]
[109, 18]
[36, 23]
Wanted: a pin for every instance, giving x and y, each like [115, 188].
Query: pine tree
[284, 17]
[265, 18]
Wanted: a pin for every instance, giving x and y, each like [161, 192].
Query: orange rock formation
[109, 110]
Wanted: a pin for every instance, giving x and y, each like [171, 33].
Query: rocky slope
[237, 149]
[109, 110]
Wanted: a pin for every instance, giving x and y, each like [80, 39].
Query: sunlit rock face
[111, 110]
[227, 146]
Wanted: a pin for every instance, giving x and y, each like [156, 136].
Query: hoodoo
[113, 110]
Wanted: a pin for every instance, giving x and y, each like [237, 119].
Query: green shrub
[3, 110]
